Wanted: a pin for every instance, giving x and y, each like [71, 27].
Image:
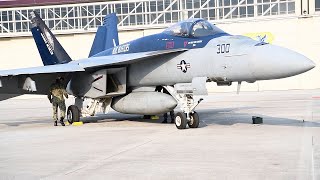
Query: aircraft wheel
[194, 120]
[73, 114]
[180, 120]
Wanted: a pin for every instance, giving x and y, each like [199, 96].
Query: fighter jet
[182, 59]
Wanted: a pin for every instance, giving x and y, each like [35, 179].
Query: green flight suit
[56, 97]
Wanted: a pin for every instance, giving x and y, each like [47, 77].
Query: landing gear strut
[187, 105]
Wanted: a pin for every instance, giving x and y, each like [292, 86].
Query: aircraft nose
[274, 62]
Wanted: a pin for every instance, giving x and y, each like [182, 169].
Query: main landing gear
[187, 105]
[75, 112]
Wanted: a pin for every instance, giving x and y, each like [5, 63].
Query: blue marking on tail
[106, 36]
[46, 57]
[49, 48]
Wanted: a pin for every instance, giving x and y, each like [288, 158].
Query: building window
[140, 13]
[317, 5]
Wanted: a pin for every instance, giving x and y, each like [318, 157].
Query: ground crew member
[165, 115]
[56, 97]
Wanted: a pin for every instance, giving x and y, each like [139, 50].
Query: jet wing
[88, 63]
[122, 59]
[59, 68]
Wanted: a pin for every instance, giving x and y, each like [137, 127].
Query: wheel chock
[80, 123]
[154, 117]
[257, 120]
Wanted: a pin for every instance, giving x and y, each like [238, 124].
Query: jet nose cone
[274, 62]
[296, 63]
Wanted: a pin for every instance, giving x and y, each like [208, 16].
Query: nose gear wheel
[181, 120]
[194, 120]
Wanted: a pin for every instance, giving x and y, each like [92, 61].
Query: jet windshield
[193, 28]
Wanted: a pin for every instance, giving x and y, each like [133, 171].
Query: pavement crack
[111, 156]
[312, 158]
[127, 150]
[75, 170]
[116, 154]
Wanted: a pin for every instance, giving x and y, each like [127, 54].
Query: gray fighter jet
[182, 59]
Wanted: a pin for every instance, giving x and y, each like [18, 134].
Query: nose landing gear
[187, 105]
[181, 120]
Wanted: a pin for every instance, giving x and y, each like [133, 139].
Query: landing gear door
[197, 87]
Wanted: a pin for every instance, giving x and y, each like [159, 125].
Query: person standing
[56, 95]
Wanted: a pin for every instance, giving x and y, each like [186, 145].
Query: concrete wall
[299, 34]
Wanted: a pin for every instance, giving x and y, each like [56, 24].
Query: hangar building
[290, 23]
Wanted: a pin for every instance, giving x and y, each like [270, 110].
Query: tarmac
[117, 146]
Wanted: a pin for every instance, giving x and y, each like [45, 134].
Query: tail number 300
[223, 48]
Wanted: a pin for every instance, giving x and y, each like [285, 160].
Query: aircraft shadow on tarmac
[225, 116]
[19, 123]
[228, 116]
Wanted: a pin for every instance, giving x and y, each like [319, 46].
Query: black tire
[194, 120]
[73, 114]
[180, 120]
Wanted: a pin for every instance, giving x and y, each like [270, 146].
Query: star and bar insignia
[183, 66]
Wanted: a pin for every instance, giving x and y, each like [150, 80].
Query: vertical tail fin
[49, 48]
[106, 36]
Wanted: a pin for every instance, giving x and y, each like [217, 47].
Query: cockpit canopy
[193, 28]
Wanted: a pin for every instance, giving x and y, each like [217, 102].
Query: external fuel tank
[144, 103]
